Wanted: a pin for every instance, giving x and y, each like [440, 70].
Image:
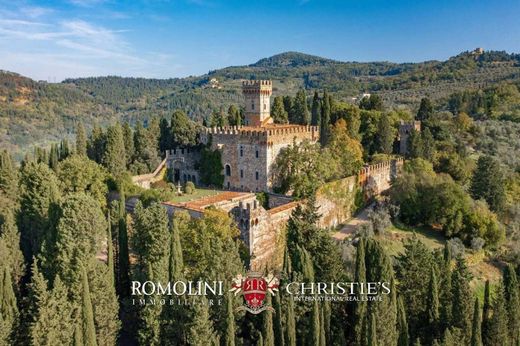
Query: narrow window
[252, 105]
[228, 170]
[241, 151]
[256, 175]
[256, 153]
[241, 173]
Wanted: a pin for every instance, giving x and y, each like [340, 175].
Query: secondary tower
[258, 105]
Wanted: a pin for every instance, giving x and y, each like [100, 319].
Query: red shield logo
[254, 287]
[254, 291]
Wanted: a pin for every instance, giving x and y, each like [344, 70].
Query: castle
[247, 155]
[247, 152]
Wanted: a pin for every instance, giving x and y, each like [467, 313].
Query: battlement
[262, 132]
[257, 83]
[408, 126]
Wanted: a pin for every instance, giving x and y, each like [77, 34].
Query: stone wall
[183, 163]
[248, 153]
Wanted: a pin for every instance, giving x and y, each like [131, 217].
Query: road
[352, 225]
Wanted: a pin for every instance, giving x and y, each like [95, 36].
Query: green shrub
[189, 188]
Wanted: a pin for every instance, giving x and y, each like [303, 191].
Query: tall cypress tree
[201, 329]
[128, 136]
[8, 176]
[385, 135]
[498, 334]
[87, 315]
[176, 264]
[360, 309]
[110, 253]
[445, 298]
[325, 120]
[486, 315]
[372, 331]
[278, 111]
[316, 110]
[114, 157]
[229, 337]
[267, 326]
[315, 323]
[462, 298]
[476, 332]
[277, 320]
[290, 323]
[123, 260]
[402, 324]
[432, 306]
[8, 307]
[323, 335]
[327, 314]
[81, 140]
[512, 296]
[301, 111]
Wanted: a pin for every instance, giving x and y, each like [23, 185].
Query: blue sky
[52, 40]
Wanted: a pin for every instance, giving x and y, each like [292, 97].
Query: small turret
[258, 105]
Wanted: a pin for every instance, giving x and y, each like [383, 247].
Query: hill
[34, 113]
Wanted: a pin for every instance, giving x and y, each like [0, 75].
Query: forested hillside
[484, 85]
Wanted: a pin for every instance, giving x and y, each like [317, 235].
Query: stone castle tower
[248, 152]
[405, 128]
[258, 105]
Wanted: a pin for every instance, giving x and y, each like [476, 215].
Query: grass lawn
[397, 233]
[199, 193]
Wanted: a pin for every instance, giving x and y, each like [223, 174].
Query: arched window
[228, 170]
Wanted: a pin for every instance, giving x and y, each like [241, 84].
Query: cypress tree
[114, 158]
[8, 307]
[425, 109]
[301, 111]
[277, 320]
[260, 341]
[39, 195]
[462, 293]
[54, 157]
[360, 309]
[229, 337]
[87, 315]
[267, 326]
[428, 144]
[64, 149]
[200, 331]
[128, 136]
[290, 323]
[323, 336]
[110, 253]
[278, 111]
[316, 110]
[315, 323]
[498, 334]
[512, 292]
[402, 324]
[8, 177]
[176, 264]
[476, 332]
[327, 314]
[325, 120]
[432, 306]
[50, 320]
[372, 331]
[81, 140]
[385, 135]
[123, 260]
[486, 315]
[445, 284]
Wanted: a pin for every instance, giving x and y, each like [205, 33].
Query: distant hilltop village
[248, 154]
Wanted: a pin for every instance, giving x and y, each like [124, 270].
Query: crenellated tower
[258, 102]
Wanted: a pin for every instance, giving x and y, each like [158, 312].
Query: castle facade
[248, 152]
